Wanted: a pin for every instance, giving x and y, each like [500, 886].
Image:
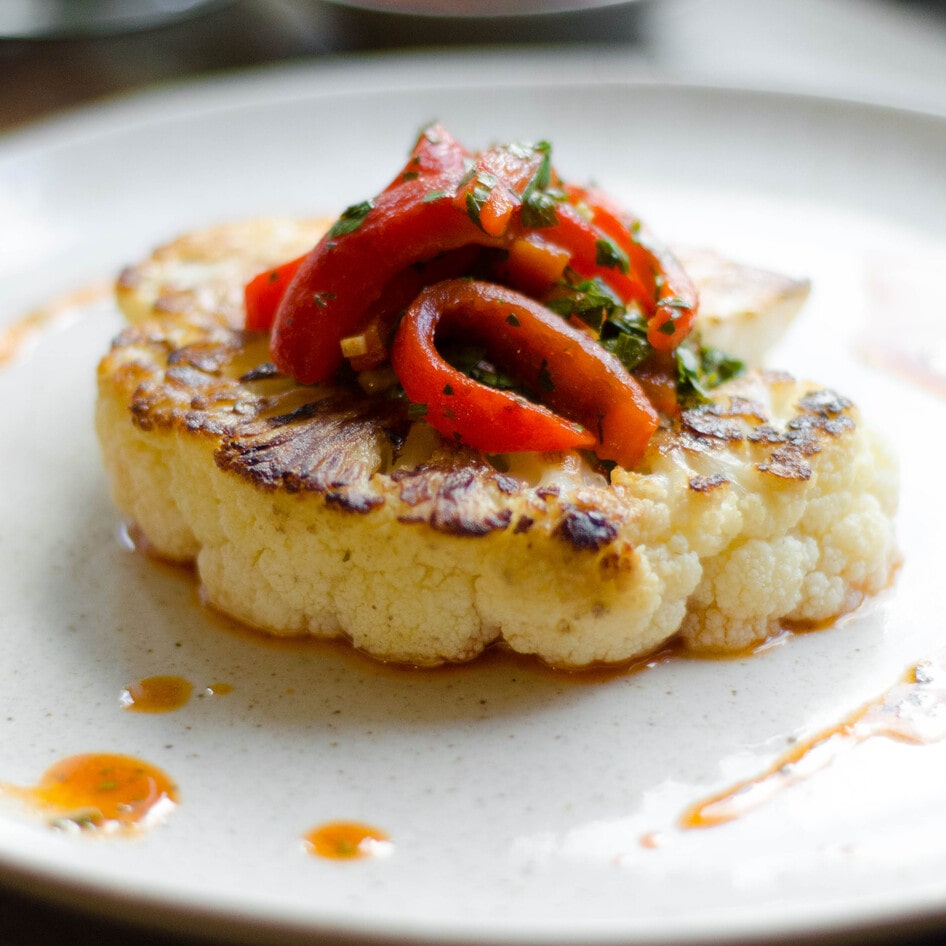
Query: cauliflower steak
[328, 511]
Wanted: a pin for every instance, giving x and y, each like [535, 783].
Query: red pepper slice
[572, 374]
[338, 281]
[264, 292]
[585, 242]
[398, 294]
[436, 153]
[491, 190]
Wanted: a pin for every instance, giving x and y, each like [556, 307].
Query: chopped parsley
[538, 202]
[351, 218]
[701, 369]
[470, 359]
[589, 300]
[476, 197]
[609, 254]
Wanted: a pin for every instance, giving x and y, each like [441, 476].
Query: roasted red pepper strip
[338, 281]
[570, 372]
[435, 153]
[439, 202]
[264, 292]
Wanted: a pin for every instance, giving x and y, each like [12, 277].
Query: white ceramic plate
[523, 807]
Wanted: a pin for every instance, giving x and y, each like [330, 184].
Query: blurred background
[55, 54]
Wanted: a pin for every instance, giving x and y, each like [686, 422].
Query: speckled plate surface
[522, 807]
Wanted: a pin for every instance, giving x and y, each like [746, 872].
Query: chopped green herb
[629, 349]
[486, 373]
[545, 379]
[410, 176]
[351, 218]
[448, 390]
[470, 359]
[667, 328]
[416, 411]
[589, 300]
[538, 202]
[699, 370]
[434, 195]
[608, 253]
[483, 184]
[322, 299]
[512, 320]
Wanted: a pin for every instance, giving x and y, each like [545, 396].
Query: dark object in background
[360, 28]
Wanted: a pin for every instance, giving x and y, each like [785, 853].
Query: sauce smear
[19, 335]
[912, 711]
[347, 840]
[102, 792]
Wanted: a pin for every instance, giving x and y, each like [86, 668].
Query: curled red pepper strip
[580, 383]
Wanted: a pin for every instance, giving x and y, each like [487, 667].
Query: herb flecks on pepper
[564, 295]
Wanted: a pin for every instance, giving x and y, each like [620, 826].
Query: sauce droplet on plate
[105, 792]
[347, 840]
[160, 694]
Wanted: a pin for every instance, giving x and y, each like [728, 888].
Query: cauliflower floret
[815, 539]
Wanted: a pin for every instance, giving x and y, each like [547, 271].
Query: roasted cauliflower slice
[325, 511]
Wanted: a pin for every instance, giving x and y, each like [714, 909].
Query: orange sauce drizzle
[102, 792]
[14, 338]
[159, 694]
[347, 840]
[911, 711]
